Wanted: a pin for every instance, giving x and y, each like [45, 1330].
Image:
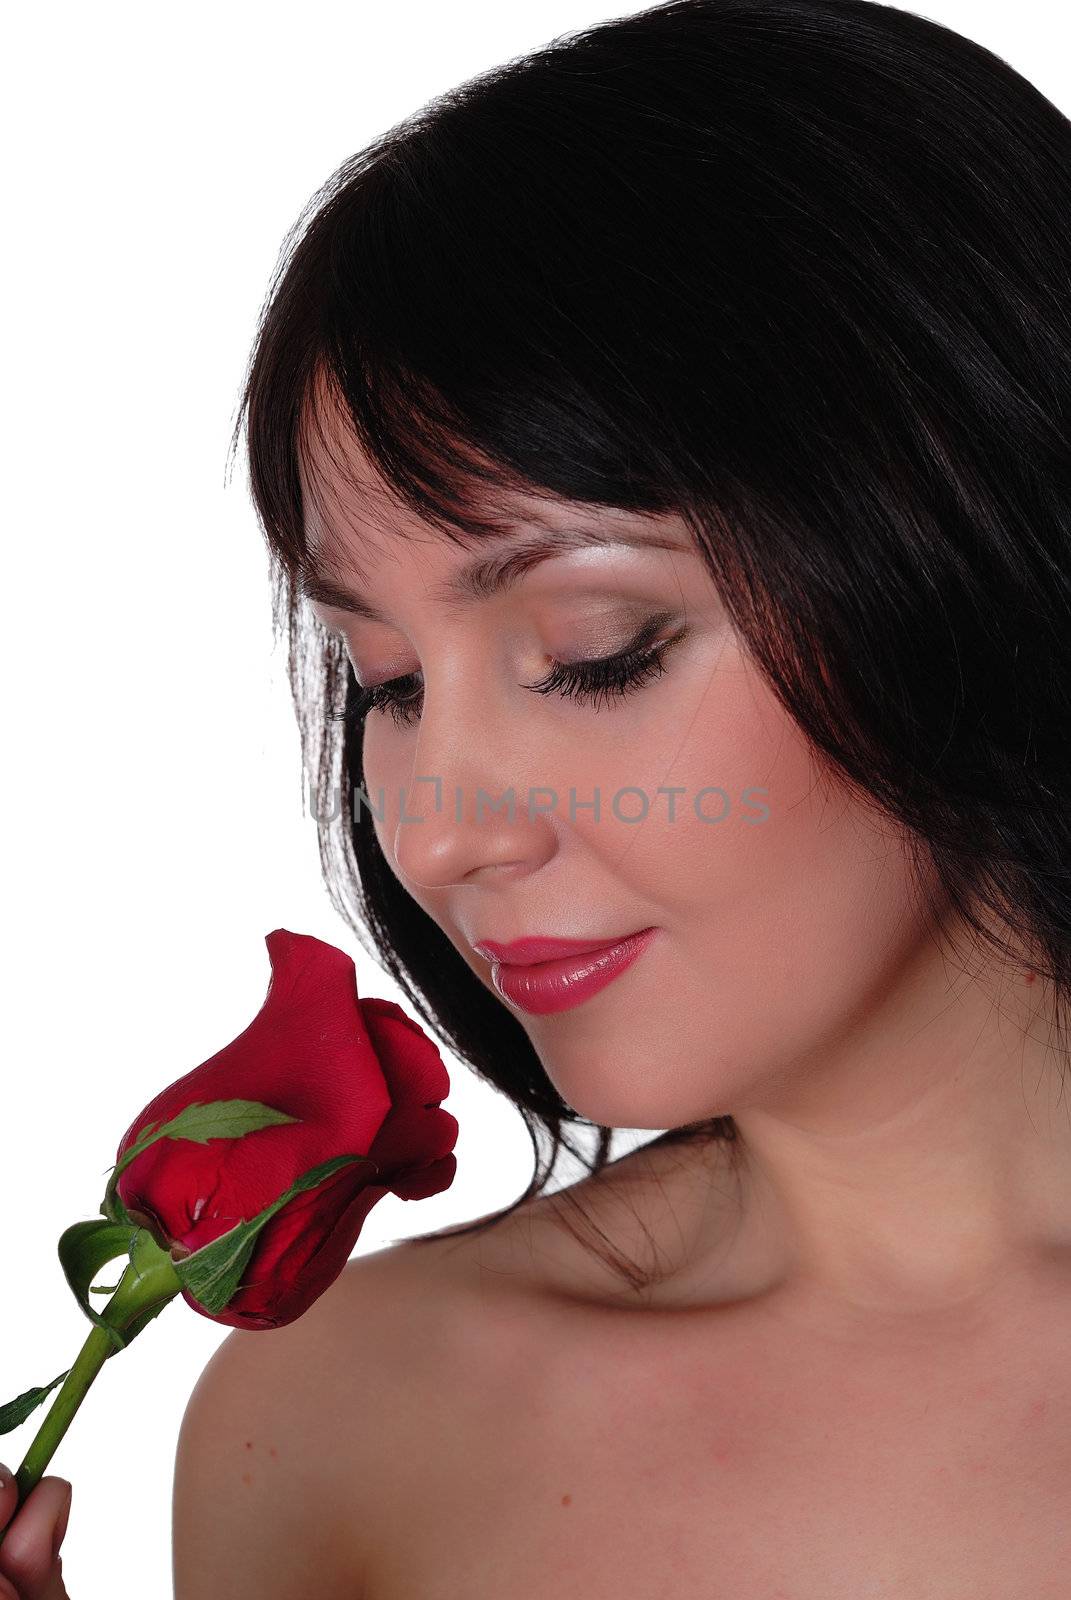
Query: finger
[26, 1554]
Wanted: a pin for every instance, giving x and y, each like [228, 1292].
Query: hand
[28, 1568]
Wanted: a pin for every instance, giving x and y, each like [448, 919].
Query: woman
[668, 430]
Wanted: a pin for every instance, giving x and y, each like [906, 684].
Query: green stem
[136, 1292]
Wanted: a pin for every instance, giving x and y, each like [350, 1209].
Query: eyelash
[611, 676]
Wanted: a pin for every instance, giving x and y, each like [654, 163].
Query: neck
[920, 1167]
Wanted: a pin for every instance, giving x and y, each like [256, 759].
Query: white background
[152, 821]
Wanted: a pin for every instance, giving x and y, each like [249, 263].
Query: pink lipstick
[545, 975]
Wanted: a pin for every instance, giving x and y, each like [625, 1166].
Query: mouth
[559, 983]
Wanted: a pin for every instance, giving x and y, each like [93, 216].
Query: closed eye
[612, 677]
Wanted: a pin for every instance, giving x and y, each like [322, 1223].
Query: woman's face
[782, 910]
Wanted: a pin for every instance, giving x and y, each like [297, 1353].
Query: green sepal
[151, 1272]
[213, 1274]
[16, 1411]
[134, 1327]
[115, 1211]
[199, 1121]
[84, 1248]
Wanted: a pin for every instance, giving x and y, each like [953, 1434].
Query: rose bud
[348, 1077]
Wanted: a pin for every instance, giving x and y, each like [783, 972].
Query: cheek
[774, 858]
[807, 906]
[393, 793]
[777, 933]
[382, 771]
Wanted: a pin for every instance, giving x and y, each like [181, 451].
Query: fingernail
[61, 1525]
[4, 1476]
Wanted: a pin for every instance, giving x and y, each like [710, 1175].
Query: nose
[462, 826]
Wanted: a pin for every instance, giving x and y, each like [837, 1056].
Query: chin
[619, 1105]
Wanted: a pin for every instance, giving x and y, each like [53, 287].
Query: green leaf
[84, 1248]
[103, 1288]
[200, 1121]
[213, 1273]
[16, 1411]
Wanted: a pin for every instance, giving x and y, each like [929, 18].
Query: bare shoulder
[474, 1300]
[302, 1447]
[275, 1466]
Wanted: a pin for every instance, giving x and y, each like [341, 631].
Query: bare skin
[559, 1436]
[31, 1567]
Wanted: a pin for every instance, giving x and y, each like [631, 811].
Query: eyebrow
[483, 576]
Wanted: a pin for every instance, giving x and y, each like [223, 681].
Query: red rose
[360, 1077]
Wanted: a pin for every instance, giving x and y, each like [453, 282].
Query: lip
[541, 987]
[528, 952]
